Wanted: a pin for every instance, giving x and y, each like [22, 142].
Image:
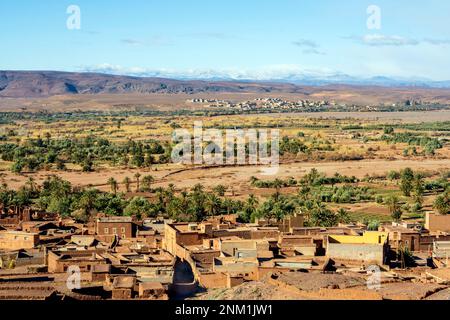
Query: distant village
[122, 258]
[273, 104]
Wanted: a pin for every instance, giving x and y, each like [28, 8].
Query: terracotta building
[109, 227]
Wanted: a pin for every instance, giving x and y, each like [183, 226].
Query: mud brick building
[124, 288]
[110, 227]
[436, 222]
[100, 272]
[152, 291]
[370, 248]
[402, 237]
[16, 240]
[60, 261]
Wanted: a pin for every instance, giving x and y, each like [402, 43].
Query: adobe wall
[250, 270]
[12, 241]
[233, 281]
[264, 234]
[52, 262]
[243, 234]
[369, 253]
[212, 280]
[173, 238]
[205, 257]
[435, 222]
[10, 221]
[296, 240]
[189, 239]
[122, 294]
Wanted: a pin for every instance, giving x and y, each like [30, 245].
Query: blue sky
[258, 39]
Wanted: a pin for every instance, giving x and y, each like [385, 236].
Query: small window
[106, 230]
[114, 230]
[123, 236]
[123, 229]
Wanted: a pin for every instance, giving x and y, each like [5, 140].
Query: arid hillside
[50, 91]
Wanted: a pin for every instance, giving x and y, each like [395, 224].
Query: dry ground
[235, 177]
[316, 286]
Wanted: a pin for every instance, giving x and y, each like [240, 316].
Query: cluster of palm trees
[197, 204]
[141, 186]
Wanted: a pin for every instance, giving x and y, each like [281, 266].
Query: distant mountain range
[19, 84]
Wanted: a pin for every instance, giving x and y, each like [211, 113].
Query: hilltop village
[42, 254]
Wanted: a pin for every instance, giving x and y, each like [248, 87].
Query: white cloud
[385, 40]
[155, 40]
[305, 43]
[397, 41]
[132, 42]
[437, 42]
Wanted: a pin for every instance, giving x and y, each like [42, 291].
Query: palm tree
[127, 182]
[252, 201]
[170, 192]
[304, 192]
[343, 216]
[393, 205]
[212, 204]
[228, 204]
[277, 184]
[322, 216]
[220, 190]
[160, 194]
[250, 207]
[253, 180]
[47, 138]
[147, 182]
[31, 184]
[175, 208]
[87, 202]
[442, 203]
[198, 188]
[418, 188]
[113, 184]
[137, 176]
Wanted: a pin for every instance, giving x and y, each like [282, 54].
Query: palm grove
[315, 192]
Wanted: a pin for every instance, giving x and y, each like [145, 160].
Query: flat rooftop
[115, 219]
